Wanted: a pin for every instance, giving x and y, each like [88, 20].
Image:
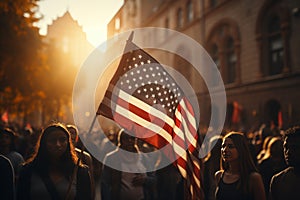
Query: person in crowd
[123, 182]
[272, 162]
[286, 184]
[109, 143]
[85, 157]
[238, 177]
[211, 166]
[7, 180]
[53, 171]
[262, 151]
[8, 149]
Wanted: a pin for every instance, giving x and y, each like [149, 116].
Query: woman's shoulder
[255, 177]
[26, 170]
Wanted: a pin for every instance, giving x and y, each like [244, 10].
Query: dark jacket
[83, 186]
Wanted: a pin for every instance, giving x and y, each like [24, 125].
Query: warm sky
[92, 15]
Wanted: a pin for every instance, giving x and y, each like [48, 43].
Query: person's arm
[24, 183]
[273, 188]
[257, 186]
[106, 183]
[84, 184]
[7, 184]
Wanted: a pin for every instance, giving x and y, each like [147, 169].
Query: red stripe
[157, 140]
[181, 162]
[191, 129]
[143, 114]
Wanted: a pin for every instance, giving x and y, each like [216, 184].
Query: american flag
[143, 98]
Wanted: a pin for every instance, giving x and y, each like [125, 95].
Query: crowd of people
[52, 163]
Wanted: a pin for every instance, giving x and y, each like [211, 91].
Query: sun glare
[93, 16]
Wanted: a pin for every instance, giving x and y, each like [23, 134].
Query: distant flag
[236, 113]
[144, 99]
[280, 120]
[4, 117]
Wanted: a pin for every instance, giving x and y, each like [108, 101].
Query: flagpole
[79, 159]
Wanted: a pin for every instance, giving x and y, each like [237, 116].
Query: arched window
[230, 61]
[179, 18]
[167, 26]
[213, 3]
[215, 57]
[275, 46]
[189, 11]
[224, 48]
[273, 35]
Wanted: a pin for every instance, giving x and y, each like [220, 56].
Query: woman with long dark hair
[238, 177]
[51, 173]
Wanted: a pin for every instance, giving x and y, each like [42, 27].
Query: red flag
[236, 113]
[4, 117]
[144, 99]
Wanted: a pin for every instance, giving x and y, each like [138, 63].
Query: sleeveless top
[230, 191]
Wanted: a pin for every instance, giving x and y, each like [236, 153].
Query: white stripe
[190, 116]
[178, 132]
[196, 180]
[182, 171]
[192, 190]
[195, 161]
[191, 121]
[135, 118]
[140, 104]
[187, 132]
[179, 150]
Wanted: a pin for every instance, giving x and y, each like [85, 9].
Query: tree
[21, 61]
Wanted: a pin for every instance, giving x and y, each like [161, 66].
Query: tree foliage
[21, 60]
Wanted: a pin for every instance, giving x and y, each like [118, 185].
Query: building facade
[255, 45]
[66, 50]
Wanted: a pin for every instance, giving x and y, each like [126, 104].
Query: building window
[179, 18]
[117, 24]
[215, 57]
[224, 48]
[65, 44]
[230, 61]
[213, 3]
[273, 35]
[189, 11]
[167, 26]
[275, 47]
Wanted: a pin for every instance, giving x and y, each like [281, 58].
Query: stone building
[255, 45]
[66, 48]
[68, 36]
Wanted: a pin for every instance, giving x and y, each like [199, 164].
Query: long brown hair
[246, 164]
[40, 159]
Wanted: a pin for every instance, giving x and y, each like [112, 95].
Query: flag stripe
[144, 99]
[140, 104]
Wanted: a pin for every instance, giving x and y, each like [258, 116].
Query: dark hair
[40, 159]
[12, 135]
[292, 132]
[246, 164]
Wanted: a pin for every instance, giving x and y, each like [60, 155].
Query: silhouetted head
[127, 141]
[291, 146]
[73, 133]
[7, 139]
[55, 145]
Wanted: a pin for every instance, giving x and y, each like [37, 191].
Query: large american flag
[143, 98]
